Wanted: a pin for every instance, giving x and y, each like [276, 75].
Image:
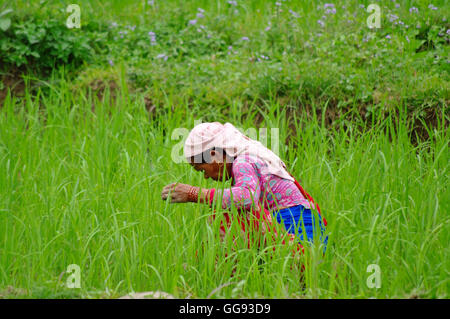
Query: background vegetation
[86, 123]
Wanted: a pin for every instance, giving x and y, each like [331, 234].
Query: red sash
[304, 193]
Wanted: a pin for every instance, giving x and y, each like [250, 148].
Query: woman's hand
[179, 193]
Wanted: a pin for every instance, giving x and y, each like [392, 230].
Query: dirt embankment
[12, 80]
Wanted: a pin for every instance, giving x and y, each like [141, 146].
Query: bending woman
[260, 181]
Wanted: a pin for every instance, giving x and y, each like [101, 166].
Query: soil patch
[11, 80]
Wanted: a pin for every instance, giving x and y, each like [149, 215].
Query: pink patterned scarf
[227, 137]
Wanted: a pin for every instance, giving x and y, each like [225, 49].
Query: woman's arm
[246, 191]
[184, 193]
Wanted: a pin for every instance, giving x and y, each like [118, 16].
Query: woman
[260, 182]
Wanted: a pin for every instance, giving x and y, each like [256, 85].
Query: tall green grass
[80, 182]
[81, 176]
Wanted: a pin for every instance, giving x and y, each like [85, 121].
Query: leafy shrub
[43, 44]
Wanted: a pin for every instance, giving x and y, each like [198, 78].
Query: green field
[88, 122]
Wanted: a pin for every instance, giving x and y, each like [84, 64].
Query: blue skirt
[298, 220]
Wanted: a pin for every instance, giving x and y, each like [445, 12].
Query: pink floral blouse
[251, 186]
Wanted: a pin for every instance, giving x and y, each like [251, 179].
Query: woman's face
[215, 169]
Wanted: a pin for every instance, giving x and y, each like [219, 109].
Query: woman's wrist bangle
[193, 194]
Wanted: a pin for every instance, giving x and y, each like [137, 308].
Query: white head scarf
[205, 136]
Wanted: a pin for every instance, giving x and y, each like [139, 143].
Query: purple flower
[321, 23]
[233, 3]
[192, 22]
[294, 14]
[361, 6]
[407, 39]
[162, 56]
[413, 9]
[111, 63]
[122, 33]
[432, 7]
[114, 24]
[151, 2]
[397, 5]
[448, 32]
[200, 15]
[152, 36]
[388, 37]
[392, 17]
[332, 11]
[328, 5]
[278, 4]
[267, 28]
[245, 39]
[200, 10]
